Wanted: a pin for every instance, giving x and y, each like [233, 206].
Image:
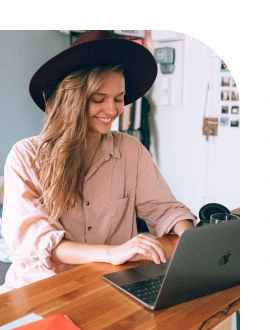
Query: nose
[111, 108]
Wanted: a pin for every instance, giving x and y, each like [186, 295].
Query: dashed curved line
[246, 24]
[228, 10]
[209, 3]
[259, 41]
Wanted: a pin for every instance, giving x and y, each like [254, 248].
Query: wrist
[100, 253]
[111, 253]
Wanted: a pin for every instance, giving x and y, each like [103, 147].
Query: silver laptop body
[206, 260]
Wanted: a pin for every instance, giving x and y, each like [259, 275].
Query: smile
[105, 120]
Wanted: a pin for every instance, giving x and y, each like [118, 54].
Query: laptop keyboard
[147, 290]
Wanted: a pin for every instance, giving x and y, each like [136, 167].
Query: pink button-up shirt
[121, 184]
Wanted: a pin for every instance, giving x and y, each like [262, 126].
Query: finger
[150, 239]
[140, 256]
[141, 250]
[153, 252]
[124, 253]
[157, 247]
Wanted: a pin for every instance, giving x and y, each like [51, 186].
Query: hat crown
[97, 48]
[92, 36]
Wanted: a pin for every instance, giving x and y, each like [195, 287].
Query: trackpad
[152, 270]
[136, 274]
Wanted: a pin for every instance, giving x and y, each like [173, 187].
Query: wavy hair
[62, 142]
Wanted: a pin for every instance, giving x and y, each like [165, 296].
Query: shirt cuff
[46, 245]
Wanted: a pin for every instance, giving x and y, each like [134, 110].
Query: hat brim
[139, 66]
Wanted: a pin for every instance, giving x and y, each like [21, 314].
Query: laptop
[205, 260]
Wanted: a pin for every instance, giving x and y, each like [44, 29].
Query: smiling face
[106, 104]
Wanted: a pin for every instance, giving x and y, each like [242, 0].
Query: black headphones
[207, 210]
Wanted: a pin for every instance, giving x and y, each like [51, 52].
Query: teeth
[105, 120]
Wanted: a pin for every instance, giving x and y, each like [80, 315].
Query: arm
[155, 202]
[138, 248]
[181, 226]
[68, 252]
[25, 224]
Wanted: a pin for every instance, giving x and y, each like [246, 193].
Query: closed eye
[101, 94]
[97, 101]
[103, 100]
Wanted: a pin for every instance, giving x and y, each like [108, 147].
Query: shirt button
[87, 203]
[89, 228]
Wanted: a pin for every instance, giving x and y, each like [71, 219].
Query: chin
[104, 130]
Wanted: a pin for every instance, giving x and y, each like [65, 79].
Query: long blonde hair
[60, 153]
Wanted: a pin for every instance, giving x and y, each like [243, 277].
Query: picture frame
[233, 82]
[224, 67]
[225, 81]
[224, 121]
[224, 109]
[225, 95]
[235, 110]
[235, 123]
[235, 96]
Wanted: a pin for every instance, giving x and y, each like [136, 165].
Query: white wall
[21, 54]
[198, 172]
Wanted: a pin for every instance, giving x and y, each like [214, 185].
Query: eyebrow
[105, 94]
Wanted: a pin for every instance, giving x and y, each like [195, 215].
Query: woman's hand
[138, 248]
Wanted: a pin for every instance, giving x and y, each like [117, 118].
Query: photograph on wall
[224, 109]
[224, 67]
[225, 81]
[233, 83]
[235, 96]
[235, 110]
[224, 121]
[234, 123]
[225, 95]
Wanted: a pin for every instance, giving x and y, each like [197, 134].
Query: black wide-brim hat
[97, 48]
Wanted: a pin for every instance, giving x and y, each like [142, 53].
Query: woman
[72, 194]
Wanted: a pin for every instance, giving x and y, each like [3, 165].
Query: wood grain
[225, 324]
[93, 303]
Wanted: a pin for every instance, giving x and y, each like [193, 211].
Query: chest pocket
[121, 212]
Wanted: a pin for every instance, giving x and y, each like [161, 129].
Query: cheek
[92, 109]
[120, 109]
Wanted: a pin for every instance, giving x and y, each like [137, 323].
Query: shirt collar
[109, 147]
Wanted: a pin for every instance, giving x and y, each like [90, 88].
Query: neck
[93, 140]
[92, 144]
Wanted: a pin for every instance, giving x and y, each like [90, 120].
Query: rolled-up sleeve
[155, 202]
[25, 225]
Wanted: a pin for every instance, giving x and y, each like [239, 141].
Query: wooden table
[93, 303]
